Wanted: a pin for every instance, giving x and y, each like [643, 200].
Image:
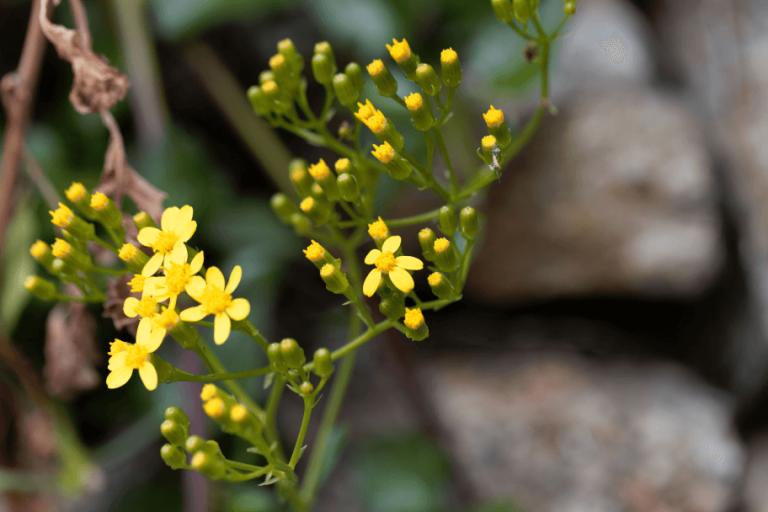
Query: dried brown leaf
[117, 291]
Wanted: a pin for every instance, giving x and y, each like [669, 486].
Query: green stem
[270, 423]
[111, 271]
[519, 31]
[85, 298]
[446, 158]
[247, 327]
[439, 103]
[396, 223]
[437, 304]
[215, 377]
[399, 101]
[115, 238]
[443, 118]
[104, 244]
[302, 432]
[464, 265]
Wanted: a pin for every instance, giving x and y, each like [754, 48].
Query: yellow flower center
[177, 277]
[378, 230]
[298, 174]
[399, 51]
[375, 67]
[62, 217]
[448, 56]
[385, 262]
[327, 270]
[343, 165]
[276, 61]
[377, 122]
[435, 279]
[61, 249]
[99, 201]
[146, 308]
[128, 252]
[30, 282]
[493, 118]
[167, 320]
[442, 244]
[364, 112]
[165, 242]
[215, 300]
[215, 407]
[269, 87]
[384, 152]
[76, 192]
[238, 413]
[414, 101]
[315, 252]
[39, 249]
[137, 356]
[488, 142]
[118, 346]
[208, 392]
[307, 204]
[413, 318]
[320, 170]
[137, 283]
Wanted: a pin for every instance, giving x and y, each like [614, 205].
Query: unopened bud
[298, 171]
[41, 251]
[40, 288]
[348, 187]
[175, 414]
[470, 226]
[275, 356]
[175, 434]
[448, 221]
[323, 68]
[287, 49]
[133, 257]
[569, 8]
[421, 112]
[106, 211]
[285, 74]
[81, 198]
[279, 98]
[301, 224]
[522, 10]
[446, 258]
[266, 76]
[450, 68]
[428, 79]
[355, 73]
[209, 465]
[283, 207]
[316, 211]
[417, 327]
[392, 306]
[382, 78]
[334, 279]
[427, 240]
[323, 175]
[323, 362]
[261, 104]
[292, 353]
[143, 220]
[65, 219]
[441, 285]
[404, 57]
[71, 255]
[504, 10]
[345, 90]
[173, 456]
[306, 388]
[397, 167]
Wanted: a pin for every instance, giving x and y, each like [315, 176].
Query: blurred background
[611, 353]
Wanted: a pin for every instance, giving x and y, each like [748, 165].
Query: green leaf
[335, 443]
[19, 264]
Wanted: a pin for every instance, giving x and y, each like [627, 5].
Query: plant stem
[397, 223]
[446, 158]
[270, 423]
[302, 431]
[215, 377]
[248, 328]
[104, 244]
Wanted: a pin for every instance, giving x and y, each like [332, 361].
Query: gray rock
[614, 195]
[558, 432]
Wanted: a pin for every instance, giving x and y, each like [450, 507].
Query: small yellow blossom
[315, 252]
[137, 283]
[378, 230]
[177, 273]
[448, 56]
[377, 123]
[99, 201]
[320, 170]
[364, 112]
[238, 413]
[488, 142]
[414, 318]
[128, 252]
[145, 308]
[414, 101]
[208, 392]
[216, 299]
[39, 249]
[343, 165]
[441, 245]
[307, 204]
[375, 67]
[277, 61]
[165, 321]
[269, 87]
[386, 263]
[384, 153]
[127, 357]
[215, 407]
[400, 51]
[76, 192]
[61, 249]
[176, 226]
[493, 118]
[62, 216]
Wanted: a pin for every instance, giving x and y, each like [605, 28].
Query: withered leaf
[117, 291]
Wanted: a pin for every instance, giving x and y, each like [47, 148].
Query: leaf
[19, 264]
[335, 444]
[268, 380]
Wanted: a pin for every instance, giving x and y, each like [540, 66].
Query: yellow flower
[364, 112]
[176, 226]
[399, 51]
[378, 230]
[177, 275]
[448, 56]
[320, 170]
[488, 142]
[386, 263]
[414, 101]
[383, 153]
[216, 299]
[165, 321]
[76, 192]
[127, 357]
[145, 308]
[493, 118]
[375, 67]
[414, 318]
[137, 283]
[62, 216]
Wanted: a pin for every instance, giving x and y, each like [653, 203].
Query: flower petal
[391, 244]
[196, 287]
[186, 232]
[234, 279]
[371, 283]
[179, 253]
[169, 218]
[407, 262]
[239, 309]
[117, 361]
[182, 219]
[148, 236]
[196, 264]
[221, 328]
[148, 375]
[153, 341]
[401, 279]
[118, 377]
[370, 258]
[152, 265]
[215, 278]
[154, 286]
[194, 314]
[129, 307]
[143, 331]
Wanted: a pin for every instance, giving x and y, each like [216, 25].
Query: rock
[615, 195]
[559, 432]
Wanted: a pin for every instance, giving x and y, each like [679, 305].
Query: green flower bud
[173, 413]
[497, 127]
[450, 68]
[397, 167]
[323, 68]
[470, 226]
[319, 256]
[448, 222]
[266, 76]
[441, 285]
[306, 388]
[65, 219]
[287, 49]
[348, 187]
[279, 98]
[522, 10]
[323, 362]
[41, 251]
[382, 78]
[173, 456]
[392, 306]
[316, 192]
[78, 243]
[334, 278]
[315, 210]
[106, 211]
[81, 198]
[504, 10]
[446, 258]
[283, 207]
[195, 444]
[143, 220]
[324, 47]
[71, 255]
[64, 271]
[284, 73]
[301, 224]
[490, 149]
[175, 434]
[40, 288]
[298, 171]
[275, 356]
[569, 8]
[209, 465]
[405, 58]
[344, 166]
[428, 79]
[355, 73]
[345, 90]
[292, 353]
[417, 327]
[427, 240]
[323, 175]
[261, 104]
[421, 112]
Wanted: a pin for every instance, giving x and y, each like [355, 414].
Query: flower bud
[266, 76]
[392, 306]
[78, 243]
[81, 198]
[504, 10]
[195, 444]
[345, 90]
[446, 258]
[133, 257]
[40, 288]
[143, 220]
[41, 251]
[173, 456]
[348, 187]
[209, 465]
[346, 131]
[323, 68]
[306, 388]
[382, 78]
[441, 285]
[490, 149]
[355, 73]
[450, 68]
[280, 101]
[379, 231]
[397, 167]
[569, 8]
[522, 10]
[421, 112]
[344, 165]
[497, 127]
[284, 73]
[292, 353]
[324, 47]
[63, 270]
[427, 240]
[428, 79]
[470, 226]
[106, 211]
[71, 255]
[175, 434]
[325, 178]
[316, 192]
[448, 222]
[417, 327]
[65, 219]
[334, 278]
[316, 211]
[173, 413]
[287, 49]
[301, 224]
[323, 362]
[283, 207]
[261, 104]
[298, 171]
[275, 356]
[406, 59]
